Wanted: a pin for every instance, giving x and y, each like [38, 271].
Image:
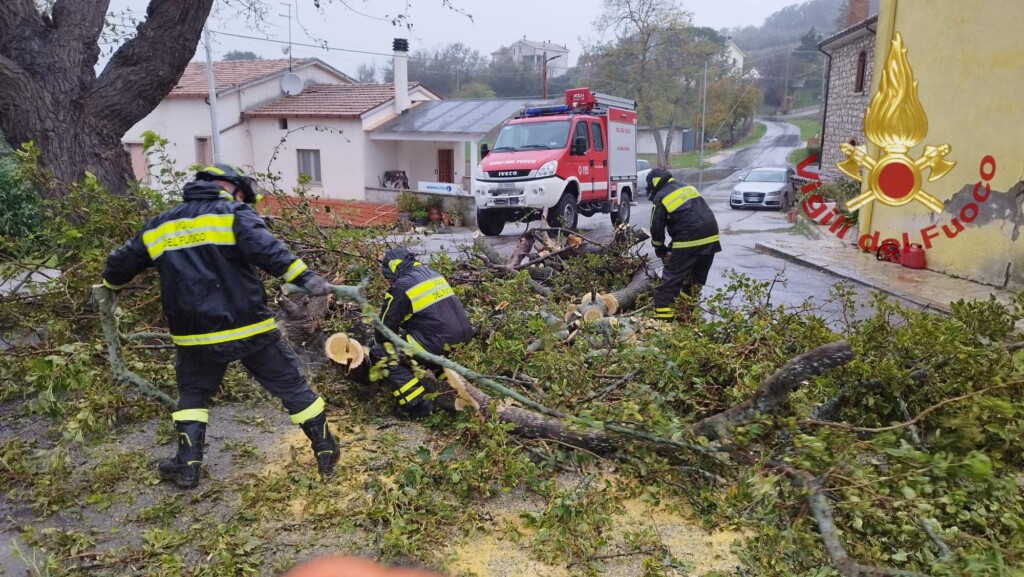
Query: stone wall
[844, 118]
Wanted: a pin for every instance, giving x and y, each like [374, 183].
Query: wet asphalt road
[740, 230]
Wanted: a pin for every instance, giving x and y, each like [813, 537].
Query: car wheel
[491, 222]
[565, 214]
[622, 216]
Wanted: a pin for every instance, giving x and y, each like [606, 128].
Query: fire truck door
[581, 161]
[599, 154]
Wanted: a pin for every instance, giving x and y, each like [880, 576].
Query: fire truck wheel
[622, 217]
[491, 222]
[565, 214]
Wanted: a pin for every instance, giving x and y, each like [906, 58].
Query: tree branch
[776, 388]
[79, 25]
[920, 416]
[145, 69]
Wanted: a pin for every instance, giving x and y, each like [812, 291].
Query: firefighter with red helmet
[206, 251]
[423, 308]
[681, 211]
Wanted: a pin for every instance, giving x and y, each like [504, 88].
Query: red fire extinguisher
[913, 257]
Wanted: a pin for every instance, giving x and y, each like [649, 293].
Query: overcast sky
[366, 26]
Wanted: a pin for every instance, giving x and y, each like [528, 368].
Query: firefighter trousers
[274, 366]
[685, 273]
[406, 389]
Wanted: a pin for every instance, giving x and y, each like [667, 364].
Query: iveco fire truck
[569, 159]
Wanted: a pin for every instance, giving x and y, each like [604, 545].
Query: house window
[598, 138]
[204, 152]
[862, 60]
[309, 164]
[282, 123]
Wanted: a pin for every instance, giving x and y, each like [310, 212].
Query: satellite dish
[292, 84]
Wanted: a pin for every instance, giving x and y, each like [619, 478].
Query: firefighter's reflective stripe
[298, 267]
[113, 287]
[414, 343]
[226, 195]
[225, 336]
[429, 292]
[409, 391]
[309, 412]
[189, 232]
[657, 243]
[693, 243]
[677, 198]
[664, 313]
[198, 415]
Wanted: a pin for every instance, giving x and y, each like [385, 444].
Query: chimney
[401, 48]
[856, 11]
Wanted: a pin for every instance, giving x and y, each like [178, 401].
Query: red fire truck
[570, 159]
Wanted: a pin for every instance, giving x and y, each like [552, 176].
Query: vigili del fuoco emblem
[896, 122]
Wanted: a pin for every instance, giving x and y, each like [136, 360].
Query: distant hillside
[787, 25]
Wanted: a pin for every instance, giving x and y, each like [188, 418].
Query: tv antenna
[289, 16]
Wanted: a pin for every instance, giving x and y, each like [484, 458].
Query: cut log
[345, 351]
[623, 299]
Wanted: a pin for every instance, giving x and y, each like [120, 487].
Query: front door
[446, 165]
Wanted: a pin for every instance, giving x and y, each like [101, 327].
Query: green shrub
[19, 203]
[407, 202]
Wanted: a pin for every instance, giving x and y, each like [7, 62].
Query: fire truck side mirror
[484, 150]
[579, 146]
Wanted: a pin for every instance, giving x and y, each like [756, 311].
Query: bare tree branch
[145, 69]
[79, 25]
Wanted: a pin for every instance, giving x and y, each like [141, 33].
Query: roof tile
[228, 74]
[329, 101]
[329, 212]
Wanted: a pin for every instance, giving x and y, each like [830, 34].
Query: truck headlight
[548, 169]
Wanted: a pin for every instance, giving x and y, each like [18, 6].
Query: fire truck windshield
[549, 134]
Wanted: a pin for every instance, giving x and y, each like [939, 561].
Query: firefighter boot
[184, 468]
[325, 448]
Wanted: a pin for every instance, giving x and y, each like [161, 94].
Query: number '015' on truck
[560, 162]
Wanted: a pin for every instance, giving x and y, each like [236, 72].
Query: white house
[322, 131]
[735, 57]
[533, 53]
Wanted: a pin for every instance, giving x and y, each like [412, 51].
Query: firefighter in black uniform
[206, 250]
[694, 232]
[421, 305]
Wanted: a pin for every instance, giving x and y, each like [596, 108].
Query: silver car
[765, 188]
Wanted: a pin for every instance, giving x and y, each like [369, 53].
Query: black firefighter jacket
[688, 218]
[205, 250]
[421, 302]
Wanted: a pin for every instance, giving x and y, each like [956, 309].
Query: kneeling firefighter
[694, 232]
[422, 308]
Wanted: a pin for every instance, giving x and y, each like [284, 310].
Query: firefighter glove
[660, 251]
[317, 286]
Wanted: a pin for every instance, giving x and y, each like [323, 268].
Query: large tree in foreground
[51, 94]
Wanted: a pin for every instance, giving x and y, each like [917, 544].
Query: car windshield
[766, 176]
[642, 165]
[533, 135]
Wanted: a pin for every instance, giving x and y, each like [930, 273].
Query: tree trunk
[50, 94]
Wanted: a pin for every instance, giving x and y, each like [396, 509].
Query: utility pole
[703, 117]
[544, 76]
[785, 97]
[214, 129]
[289, 16]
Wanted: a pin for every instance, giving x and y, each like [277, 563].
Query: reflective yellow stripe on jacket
[677, 198]
[225, 336]
[189, 232]
[693, 243]
[298, 267]
[429, 292]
